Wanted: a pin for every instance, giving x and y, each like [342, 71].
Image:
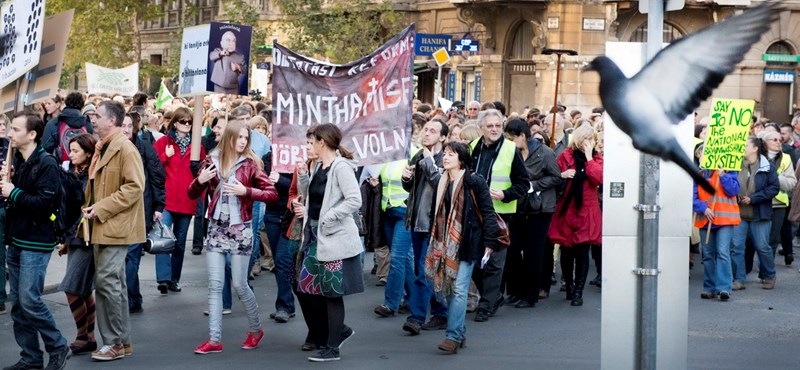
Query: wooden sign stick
[713, 206]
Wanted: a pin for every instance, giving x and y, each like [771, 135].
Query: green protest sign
[727, 134]
[163, 96]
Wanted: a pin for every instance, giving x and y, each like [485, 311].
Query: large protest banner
[728, 129]
[102, 80]
[369, 100]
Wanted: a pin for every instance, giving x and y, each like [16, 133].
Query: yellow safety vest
[392, 192]
[501, 174]
[786, 162]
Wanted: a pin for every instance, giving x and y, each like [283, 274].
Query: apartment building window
[780, 47]
[671, 33]
[521, 47]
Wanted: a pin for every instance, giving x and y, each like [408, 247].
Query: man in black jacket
[420, 180]
[68, 124]
[154, 201]
[500, 163]
[32, 196]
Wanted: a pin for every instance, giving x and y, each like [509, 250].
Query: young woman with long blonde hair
[235, 178]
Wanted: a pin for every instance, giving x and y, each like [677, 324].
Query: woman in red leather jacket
[234, 177]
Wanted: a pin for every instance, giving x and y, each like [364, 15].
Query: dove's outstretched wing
[686, 72]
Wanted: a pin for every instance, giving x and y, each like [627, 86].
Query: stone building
[509, 65]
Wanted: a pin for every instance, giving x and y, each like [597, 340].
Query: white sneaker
[225, 311]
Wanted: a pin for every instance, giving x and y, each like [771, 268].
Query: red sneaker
[207, 347]
[252, 340]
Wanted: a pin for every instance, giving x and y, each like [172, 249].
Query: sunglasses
[184, 121]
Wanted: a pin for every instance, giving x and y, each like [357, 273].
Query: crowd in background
[474, 219]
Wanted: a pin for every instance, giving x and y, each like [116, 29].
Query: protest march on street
[390, 176]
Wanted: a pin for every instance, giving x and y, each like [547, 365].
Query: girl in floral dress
[234, 177]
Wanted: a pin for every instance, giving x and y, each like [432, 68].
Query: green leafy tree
[340, 31]
[103, 32]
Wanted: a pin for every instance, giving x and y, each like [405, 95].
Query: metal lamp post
[558, 53]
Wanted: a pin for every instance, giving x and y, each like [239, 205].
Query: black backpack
[70, 201]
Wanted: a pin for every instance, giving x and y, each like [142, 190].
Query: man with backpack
[32, 197]
[68, 124]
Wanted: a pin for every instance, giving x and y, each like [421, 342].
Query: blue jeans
[227, 298]
[401, 265]
[759, 232]
[132, 260]
[216, 262]
[258, 218]
[30, 315]
[421, 292]
[3, 295]
[169, 266]
[717, 272]
[457, 303]
[283, 255]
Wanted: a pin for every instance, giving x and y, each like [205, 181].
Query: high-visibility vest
[786, 162]
[392, 192]
[726, 210]
[501, 173]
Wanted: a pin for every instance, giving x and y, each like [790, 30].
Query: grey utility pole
[648, 219]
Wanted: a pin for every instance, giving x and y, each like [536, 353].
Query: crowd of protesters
[753, 213]
[474, 219]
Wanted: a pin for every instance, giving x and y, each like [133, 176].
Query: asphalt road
[757, 329]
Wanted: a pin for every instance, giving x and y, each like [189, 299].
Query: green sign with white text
[783, 58]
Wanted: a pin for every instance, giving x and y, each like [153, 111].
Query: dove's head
[598, 64]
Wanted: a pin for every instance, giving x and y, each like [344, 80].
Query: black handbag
[160, 240]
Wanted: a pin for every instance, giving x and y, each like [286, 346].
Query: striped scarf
[441, 261]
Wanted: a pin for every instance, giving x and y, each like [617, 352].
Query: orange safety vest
[726, 210]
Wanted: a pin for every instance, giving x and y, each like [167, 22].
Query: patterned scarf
[98, 150]
[183, 142]
[441, 261]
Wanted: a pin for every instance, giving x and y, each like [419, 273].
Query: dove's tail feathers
[677, 156]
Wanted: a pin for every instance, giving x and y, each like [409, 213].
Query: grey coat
[545, 178]
[421, 188]
[337, 237]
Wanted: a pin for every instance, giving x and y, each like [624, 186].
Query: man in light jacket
[115, 208]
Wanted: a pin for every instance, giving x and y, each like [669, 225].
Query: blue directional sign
[780, 77]
[426, 44]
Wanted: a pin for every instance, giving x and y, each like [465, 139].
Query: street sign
[781, 58]
[441, 57]
[426, 44]
[466, 44]
[778, 77]
[263, 65]
[670, 5]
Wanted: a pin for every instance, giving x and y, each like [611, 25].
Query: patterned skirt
[329, 279]
[226, 238]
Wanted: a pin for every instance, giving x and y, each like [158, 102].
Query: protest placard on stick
[728, 129]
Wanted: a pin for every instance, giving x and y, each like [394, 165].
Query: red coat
[584, 226]
[254, 179]
[179, 175]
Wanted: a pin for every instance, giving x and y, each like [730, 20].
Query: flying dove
[676, 81]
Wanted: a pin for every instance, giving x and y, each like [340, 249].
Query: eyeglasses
[185, 121]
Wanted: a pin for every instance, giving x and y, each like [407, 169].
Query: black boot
[581, 271]
[567, 269]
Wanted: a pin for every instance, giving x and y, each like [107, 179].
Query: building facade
[510, 35]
